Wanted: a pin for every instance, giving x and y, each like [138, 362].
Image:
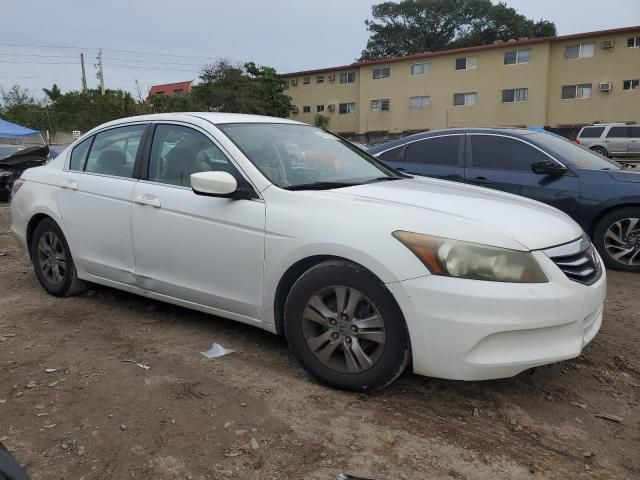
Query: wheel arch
[606, 211]
[34, 221]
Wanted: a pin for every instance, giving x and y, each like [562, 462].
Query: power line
[135, 60]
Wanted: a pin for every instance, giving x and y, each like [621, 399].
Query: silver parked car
[611, 139]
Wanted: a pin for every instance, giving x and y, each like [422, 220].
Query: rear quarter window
[591, 132]
[393, 155]
[79, 154]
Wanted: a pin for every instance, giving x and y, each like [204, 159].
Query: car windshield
[579, 156]
[298, 157]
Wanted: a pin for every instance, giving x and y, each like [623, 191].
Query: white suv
[611, 139]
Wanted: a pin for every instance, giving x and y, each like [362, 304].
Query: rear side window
[635, 132]
[393, 155]
[592, 132]
[618, 132]
[79, 154]
[114, 151]
[503, 153]
[435, 151]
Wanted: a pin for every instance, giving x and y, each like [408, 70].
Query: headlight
[455, 258]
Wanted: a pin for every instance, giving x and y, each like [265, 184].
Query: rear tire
[616, 233]
[600, 151]
[52, 260]
[345, 327]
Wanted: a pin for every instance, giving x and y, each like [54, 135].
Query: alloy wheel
[51, 257]
[622, 241]
[343, 329]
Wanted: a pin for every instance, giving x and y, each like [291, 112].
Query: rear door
[439, 156]
[95, 202]
[617, 140]
[504, 163]
[634, 141]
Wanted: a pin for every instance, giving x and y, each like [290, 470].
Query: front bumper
[474, 330]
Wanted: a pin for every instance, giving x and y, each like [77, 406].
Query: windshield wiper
[320, 185]
[383, 179]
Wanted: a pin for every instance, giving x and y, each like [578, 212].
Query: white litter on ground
[216, 351]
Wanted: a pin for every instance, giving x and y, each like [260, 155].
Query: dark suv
[601, 195]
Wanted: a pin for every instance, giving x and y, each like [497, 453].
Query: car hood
[531, 224]
[626, 176]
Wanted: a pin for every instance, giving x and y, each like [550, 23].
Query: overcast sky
[287, 34]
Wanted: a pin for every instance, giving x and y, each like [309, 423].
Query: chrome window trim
[417, 140]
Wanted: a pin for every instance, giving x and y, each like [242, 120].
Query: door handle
[633, 141]
[148, 200]
[480, 181]
[70, 184]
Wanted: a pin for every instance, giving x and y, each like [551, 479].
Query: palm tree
[53, 94]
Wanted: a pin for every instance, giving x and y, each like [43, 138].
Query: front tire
[617, 238]
[345, 327]
[53, 262]
[600, 151]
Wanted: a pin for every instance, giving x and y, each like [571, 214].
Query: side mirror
[548, 167]
[214, 184]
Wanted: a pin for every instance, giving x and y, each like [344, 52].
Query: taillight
[578, 141]
[16, 186]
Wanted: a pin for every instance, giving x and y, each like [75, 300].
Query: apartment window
[581, 50]
[381, 72]
[319, 108]
[631, 84]
[320, 79]
[306, 80]
[306, 109]
[285, 85]
[348, 77]
[570, 92]
[381, 105]
[468, 99]
[347, 107]
[420, 68]
[513, 95]
[420, 102]
[466, 63]
[517, 56]
[633, 42]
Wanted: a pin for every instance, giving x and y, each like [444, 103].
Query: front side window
[79, 154]
[348, 77]
[419, 103]
[381, 105]
[466, 63]
[633, 42]
[503, 153]
[618, 132]
[381, 72]
[576, 155]
[581, 50]
[592, 132]
[177, 152]
[517, 56]
[513, 95]
[420, 68]
[465, 99]
[435, 151]
[347, 107]
[631, 84]
[321, 160]
[114, 151]
[570, 92]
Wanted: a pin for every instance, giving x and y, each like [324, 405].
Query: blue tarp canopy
[12, 130]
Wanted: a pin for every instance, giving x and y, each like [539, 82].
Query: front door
[205, 250]
[504, 163]
[95, 202]
[617, 140]
[634, 142]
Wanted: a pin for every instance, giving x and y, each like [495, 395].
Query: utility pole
[84, 75]
[100, 71]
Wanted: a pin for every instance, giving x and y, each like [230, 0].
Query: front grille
[578, 260]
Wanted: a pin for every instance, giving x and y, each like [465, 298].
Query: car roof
[513, 132]
[217, 118]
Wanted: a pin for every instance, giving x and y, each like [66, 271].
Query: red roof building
[171, 89]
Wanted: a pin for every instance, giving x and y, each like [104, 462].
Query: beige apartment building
[559, 82]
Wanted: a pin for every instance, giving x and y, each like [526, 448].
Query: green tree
[321, 121]
[416, 26]
[52, 94]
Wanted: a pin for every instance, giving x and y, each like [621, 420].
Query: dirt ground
[256, 414]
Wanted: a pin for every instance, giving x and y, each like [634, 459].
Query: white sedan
[286, 227]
